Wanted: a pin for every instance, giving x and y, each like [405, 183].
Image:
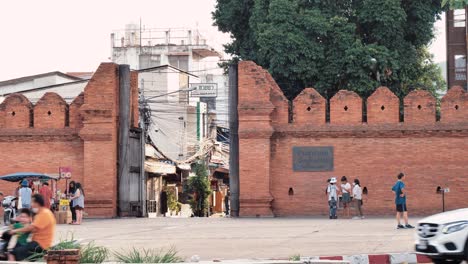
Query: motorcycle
[9, 205]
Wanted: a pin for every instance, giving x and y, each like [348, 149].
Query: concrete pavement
[228, 238]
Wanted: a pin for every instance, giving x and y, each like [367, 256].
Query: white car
[444, 237]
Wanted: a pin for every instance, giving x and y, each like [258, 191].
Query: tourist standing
[400, 202]
[46, 192]
[346, 194]
[71, 193]
[42, 228]
[357, 199]
[25, 194]
[78, 203]
[332, 193]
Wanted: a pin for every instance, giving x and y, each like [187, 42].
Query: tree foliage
[331, 45]
[455, 4]
[200, 188]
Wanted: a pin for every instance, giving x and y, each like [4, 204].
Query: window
[148, 61]
[459, 18]
[179, 61]
[460, 67]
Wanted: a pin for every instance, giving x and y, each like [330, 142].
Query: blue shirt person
[400, 197]
[25, 194]
[400, 202]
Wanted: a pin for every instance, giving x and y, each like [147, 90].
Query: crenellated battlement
[81, 135]
[50, 112]
[288, 149]
[346, 108]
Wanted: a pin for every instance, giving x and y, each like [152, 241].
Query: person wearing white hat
[332, 193]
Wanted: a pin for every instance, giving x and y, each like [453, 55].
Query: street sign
[65, 172]
[204, 90]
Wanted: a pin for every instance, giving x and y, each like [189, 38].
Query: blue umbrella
[19, 176]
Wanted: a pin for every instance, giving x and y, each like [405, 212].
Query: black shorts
[401, 208]
[26, 251]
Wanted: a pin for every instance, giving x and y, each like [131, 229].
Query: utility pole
[144, 121]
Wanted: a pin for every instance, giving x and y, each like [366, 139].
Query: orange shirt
[47, 194]
[44, 223]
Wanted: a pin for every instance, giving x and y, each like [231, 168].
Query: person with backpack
[332, 193]
[400, 202]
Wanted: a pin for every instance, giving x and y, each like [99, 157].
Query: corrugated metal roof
[32, 77]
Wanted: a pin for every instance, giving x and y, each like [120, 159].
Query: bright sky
[48, 35]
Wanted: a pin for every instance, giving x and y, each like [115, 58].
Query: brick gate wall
[83, 135]
[431, 153]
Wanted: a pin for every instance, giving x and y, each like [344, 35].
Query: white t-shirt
[345, 187]
[332, 193]
[357, 192]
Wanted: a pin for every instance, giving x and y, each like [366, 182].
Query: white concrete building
[35, 86]
[184, 49]
[178, 124]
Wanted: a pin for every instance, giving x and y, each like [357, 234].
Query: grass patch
[92, 253]
[148, 256]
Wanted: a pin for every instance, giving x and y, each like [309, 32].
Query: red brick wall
[383, 107]
[309, 107]
[50, 111]
[15, 111]
[430, 153]
[345, 108]
[88, 144]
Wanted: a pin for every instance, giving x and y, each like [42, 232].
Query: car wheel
[466, 250]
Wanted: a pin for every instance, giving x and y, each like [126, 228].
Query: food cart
[9, 203]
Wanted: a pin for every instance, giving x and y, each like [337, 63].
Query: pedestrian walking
[25, 194]
[345, 195]
[71, 193]
[78, 203]
[400, 202]
[357, 199]
[332, 192]
[46, 192]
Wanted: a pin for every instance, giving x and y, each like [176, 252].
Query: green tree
[455, 4]
[200, 188]
[332, 45]
[172, 202]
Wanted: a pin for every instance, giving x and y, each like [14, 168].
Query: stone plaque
[313, 159]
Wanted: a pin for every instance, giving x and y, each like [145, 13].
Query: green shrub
[89, 253]
[295, 257]
[199, 187]
[148, 256]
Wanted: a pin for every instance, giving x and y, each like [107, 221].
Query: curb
[391, 258]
